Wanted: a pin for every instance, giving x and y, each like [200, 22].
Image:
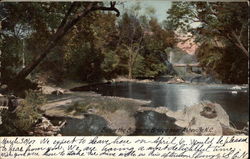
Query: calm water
[178, 96]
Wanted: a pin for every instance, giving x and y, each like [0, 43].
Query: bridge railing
[186, 65]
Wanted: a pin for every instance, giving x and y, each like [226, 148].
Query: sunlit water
[174, 96]
[179, 96]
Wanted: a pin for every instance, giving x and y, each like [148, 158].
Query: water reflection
[177, 96]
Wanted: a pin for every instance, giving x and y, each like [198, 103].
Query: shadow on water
[153, 123]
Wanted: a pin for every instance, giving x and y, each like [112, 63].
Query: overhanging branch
[111, 8]
[65, 19]
[62, 30]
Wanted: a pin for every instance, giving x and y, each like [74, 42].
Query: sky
[160, 6]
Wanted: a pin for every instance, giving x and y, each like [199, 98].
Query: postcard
[124, 79]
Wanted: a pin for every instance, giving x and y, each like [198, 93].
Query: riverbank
[120, 114]
[92, 110]
[71, 85]
[79, 105]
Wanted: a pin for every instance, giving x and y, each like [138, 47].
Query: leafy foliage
[220, 29]
[109, 64]
[23, 119]
[100, 46]
[220, 61]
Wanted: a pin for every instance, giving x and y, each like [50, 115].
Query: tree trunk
[61, 32]
[130, 63]
[240, 45]
[28, 69]
[130, 72]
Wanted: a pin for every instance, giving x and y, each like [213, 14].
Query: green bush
[26, 115]
[109, 64]
[78, 108]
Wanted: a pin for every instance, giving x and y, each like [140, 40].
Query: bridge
[186, 65]
[193, 67]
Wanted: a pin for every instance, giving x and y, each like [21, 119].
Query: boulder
[120, 121]
[176, 80]
[206, 118]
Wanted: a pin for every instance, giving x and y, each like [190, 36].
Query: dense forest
[132, 45]
[222, 34]
[129, 45]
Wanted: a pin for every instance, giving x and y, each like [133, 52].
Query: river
[178, 96]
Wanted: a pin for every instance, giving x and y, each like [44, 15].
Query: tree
[89, 46]
[131, 38]
[74, 14]
[220, 30]
[66, 47]
[225, 20]
[219, 60]
[144, 41]
[157, 40]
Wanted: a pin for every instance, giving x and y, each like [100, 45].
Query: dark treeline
[221, 32]
[97, 47]
[104, 46]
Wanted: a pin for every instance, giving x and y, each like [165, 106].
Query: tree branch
[111, 8]
[60, 33]
[239, 44]
[71, 8]
[241, 31]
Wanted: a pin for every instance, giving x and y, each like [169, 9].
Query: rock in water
[206, 118]
[176, 80]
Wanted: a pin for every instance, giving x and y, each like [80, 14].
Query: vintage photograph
[125, 68]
